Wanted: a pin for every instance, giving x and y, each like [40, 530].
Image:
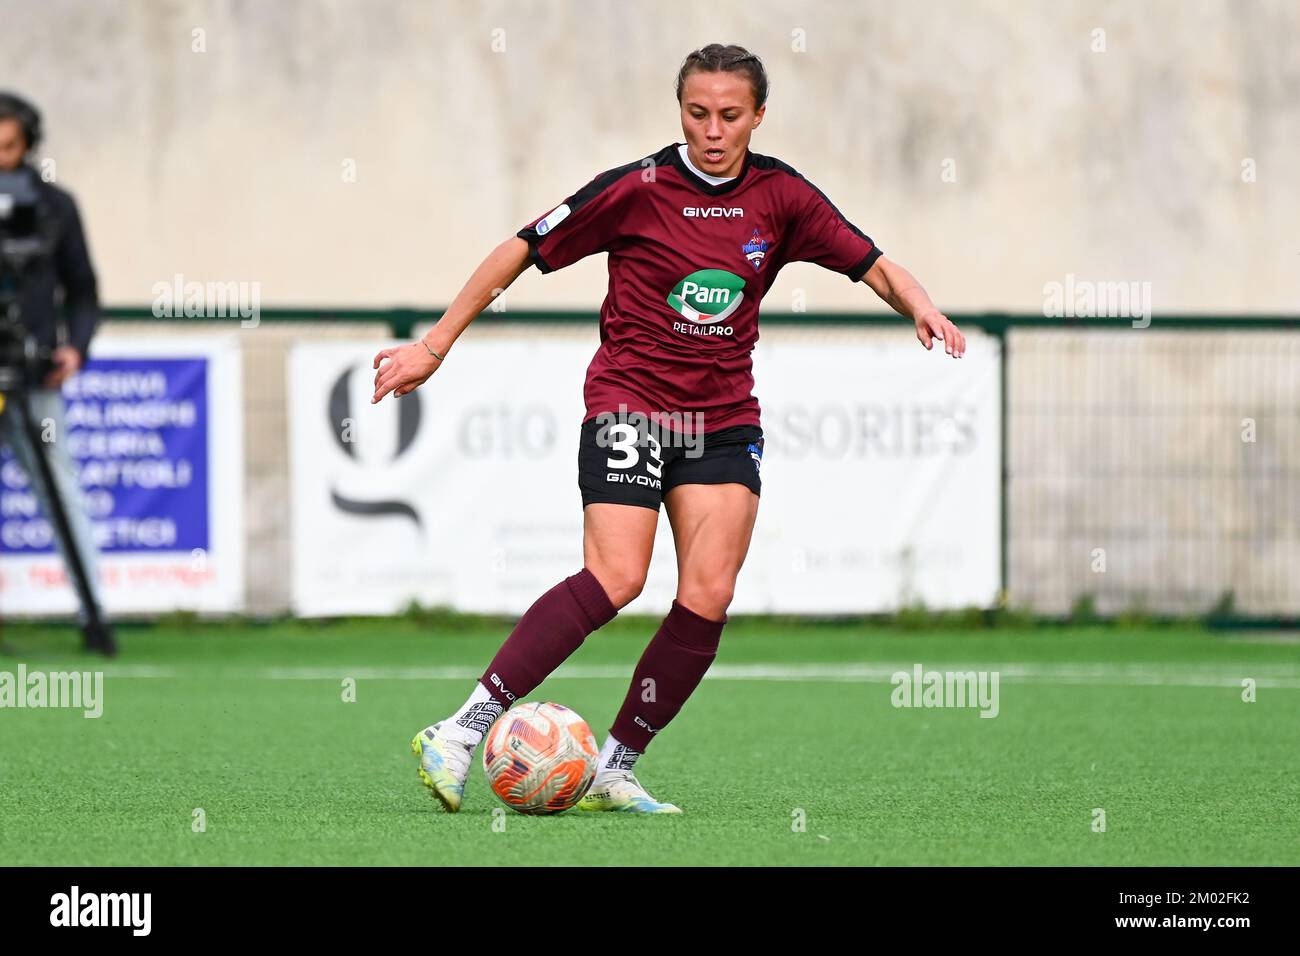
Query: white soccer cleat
[621, 792]
[444, 764]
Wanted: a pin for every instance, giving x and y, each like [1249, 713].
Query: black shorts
[631, 464]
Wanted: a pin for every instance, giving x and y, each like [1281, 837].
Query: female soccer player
[696, 234]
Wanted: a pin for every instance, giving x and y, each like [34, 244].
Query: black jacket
[61, 287]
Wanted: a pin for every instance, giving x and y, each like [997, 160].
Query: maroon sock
[675, 661]
[552, 629]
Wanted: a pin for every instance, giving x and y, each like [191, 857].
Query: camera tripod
[14, 387]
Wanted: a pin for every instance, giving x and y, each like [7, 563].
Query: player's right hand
[406, 369]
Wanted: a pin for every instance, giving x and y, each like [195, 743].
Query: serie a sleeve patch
[552, 219]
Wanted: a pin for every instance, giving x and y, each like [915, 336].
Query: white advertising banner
[155, 430]
[880, 477]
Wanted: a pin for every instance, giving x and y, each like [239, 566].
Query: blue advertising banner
[137, 430]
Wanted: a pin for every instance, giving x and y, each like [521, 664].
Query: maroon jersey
[688, 264]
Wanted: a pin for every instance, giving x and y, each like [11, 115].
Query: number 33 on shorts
[620, 463]
[627, 451]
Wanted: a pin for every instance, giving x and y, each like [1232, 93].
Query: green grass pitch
[248, 723]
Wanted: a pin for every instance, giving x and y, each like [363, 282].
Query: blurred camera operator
[60, 310]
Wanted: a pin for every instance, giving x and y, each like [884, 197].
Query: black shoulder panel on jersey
[772, 163]
[589, 192]
[608, 178]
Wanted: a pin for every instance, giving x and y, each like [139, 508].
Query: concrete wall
[229, 163]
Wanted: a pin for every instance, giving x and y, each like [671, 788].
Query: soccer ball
[540, 758]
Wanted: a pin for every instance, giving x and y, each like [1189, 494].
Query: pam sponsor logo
[71, 690]
[76, 908]
[922, 688]
[708, 295]
[211, 300]
[1085, 299]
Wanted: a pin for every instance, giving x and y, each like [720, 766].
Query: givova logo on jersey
[706, 299]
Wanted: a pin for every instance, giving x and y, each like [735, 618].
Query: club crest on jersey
[755, 250]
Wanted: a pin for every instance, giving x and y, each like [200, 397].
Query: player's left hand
[67, 360]
[935, 325]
